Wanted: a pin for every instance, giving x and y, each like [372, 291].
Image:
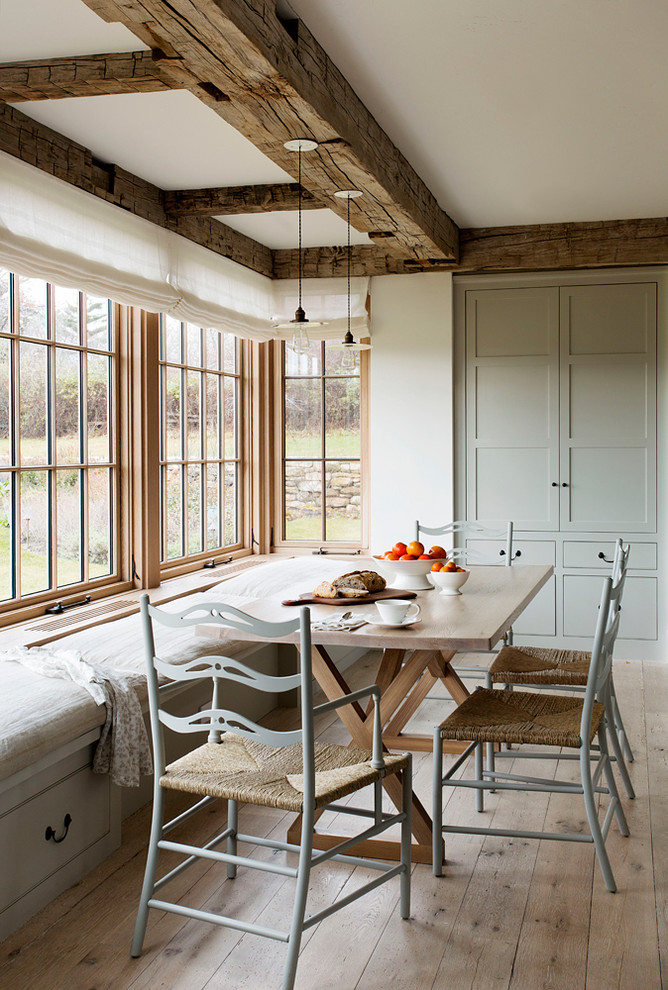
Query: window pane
[66, 304]
[230, 400]
[342, 417]
[5, 297]
[5, 401]
[68, 412]
[97, 320]
[194, 337]
[98, 401]
[231, 498]
[171, 339]
[213, 506]
[343, 501]
[6, 536]
[173, 511]
[213, 349]
[32, 307]
[34, 532]
[33, 403]
[230, 353]
[303, 418]
[309, 362]
[303, 500]
[213, 423]
[194, 380]
[68, 518]
[172, 427]
[194, 508]
[99, 521]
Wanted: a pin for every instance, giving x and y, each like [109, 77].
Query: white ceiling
[526, 111]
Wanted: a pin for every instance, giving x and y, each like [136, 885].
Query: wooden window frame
[278, 542]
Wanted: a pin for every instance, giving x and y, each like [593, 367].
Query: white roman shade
[54, 231]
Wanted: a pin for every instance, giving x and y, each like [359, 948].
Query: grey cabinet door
[512, 346]
[608, 408]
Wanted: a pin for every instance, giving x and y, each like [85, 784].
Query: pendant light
[300, 325]
[349, 343]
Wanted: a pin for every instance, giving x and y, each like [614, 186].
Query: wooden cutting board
[373, 596]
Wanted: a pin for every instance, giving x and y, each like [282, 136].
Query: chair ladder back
[472, 530]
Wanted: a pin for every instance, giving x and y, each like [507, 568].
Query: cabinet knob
[555, 484]
[564, 484]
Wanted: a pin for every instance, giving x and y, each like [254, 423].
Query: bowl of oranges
[448, 577]
[407, 565]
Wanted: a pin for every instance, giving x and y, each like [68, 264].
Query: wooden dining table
[415, 658]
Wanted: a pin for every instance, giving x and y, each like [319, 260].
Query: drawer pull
[51, 832]
[602, 556]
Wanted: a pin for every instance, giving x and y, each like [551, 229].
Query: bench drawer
[643, 556]
[84, 796]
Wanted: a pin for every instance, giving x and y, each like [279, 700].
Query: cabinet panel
[607, 399]
[609, 319]
[504, 394]
[582, 593]
[516, 322]
[539, 618]
[513, 483]
[608, 490]
[586, 554]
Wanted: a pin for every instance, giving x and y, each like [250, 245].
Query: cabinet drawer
[530, 551]
[582, 554]
[582, 593]
[83, 795]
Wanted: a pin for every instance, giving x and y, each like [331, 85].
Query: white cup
[395, 611]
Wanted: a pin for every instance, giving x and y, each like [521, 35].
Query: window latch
[214, 563]
[59, 608]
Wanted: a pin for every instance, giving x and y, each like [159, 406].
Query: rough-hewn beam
[231, 200]
[601, 244]
[329, 262]
[52, 152]
[81, 75]
[272, 84]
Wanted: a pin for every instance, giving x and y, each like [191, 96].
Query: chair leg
[619, 724]
[610, 777]
[149, 872]
[479, 794]
[297, 927]
[437, 805]
[592, 818]
[406, 838]
[617, 750]
[233, 823]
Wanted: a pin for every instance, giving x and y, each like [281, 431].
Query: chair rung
[219, 857]
[188, 813]
[368, 833]
[393, 871]
[500, 785]
[518, 833]
[219, 919]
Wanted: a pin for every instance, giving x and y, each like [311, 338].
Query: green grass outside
[341, 530]
[339, 443]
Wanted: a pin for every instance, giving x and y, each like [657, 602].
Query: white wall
[411, 424]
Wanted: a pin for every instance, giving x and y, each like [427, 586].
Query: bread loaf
[354, 584]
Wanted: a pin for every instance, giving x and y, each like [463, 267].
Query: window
[322, 445]
[58, 467]
[200, 463]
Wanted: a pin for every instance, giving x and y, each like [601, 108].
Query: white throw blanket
[123, 750]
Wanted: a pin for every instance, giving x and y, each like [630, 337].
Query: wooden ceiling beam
[46, 149]
[234, 200]
[273, 84]
[82, 75]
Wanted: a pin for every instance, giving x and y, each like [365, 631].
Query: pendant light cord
[299, 194]
[348, 264]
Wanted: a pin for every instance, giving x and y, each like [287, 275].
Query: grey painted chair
[538, 718]
[541, 667]
[242, 761]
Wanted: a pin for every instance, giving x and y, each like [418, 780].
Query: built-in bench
[49, 729]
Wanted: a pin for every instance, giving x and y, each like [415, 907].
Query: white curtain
[54, 231]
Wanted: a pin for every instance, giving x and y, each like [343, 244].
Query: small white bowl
[449, 582]
[410, 575]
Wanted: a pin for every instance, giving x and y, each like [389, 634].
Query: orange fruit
[408, 556]
[437, 552]
[391, 555]
[400, 548]
[424, 556]
[450, 566]
[460, 570]
[415, 549]
[436, 567]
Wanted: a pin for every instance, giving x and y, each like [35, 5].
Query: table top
[491, 600]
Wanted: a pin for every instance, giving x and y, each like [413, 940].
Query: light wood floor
[509, 914]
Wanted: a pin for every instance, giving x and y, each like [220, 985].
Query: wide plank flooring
[506, 915]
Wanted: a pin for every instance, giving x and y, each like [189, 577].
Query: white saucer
[411, 620]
